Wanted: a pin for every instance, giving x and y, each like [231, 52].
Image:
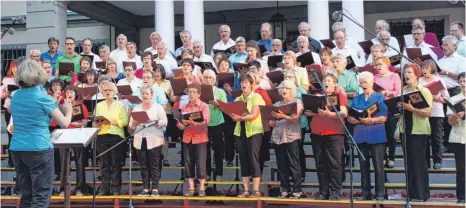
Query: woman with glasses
[286, 135]
[195, 139]
[114, 119]
[377, 51]
[391, 84]
[215, 125]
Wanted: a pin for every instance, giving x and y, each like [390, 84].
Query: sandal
[245, 194]
[256, 194]
[190, 193]
[283, 195]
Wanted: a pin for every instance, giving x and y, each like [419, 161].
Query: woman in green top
[417, 134]
[248, 133]
[215, 126]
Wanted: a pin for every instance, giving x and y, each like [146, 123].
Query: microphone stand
[128, 139]
[351, 141]
[402, 111]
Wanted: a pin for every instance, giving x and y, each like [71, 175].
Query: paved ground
[229, 175]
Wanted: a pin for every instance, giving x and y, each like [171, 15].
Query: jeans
[35, 176]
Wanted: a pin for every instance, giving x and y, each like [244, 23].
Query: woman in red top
[195, 140]
[80, 153]
[328, 141]
[147, 59]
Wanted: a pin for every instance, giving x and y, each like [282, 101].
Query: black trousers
[435, 141]
[195, 157]
[376, 152]
[230, 143]
[150, 161]
[218, 145]
[80, 160]
[288, 164]
[390, 128]
[7, 121]
[111, 162]
[328, 152]
[460, 169]
[265, 149]
[418, 173]
[249, 155]
[302, 153]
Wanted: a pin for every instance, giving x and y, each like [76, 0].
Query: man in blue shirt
[241, 55]
[52, 54]
[266, 35]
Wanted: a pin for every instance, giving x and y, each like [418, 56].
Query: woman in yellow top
[417, 134]
[111, 132]
[248, 133]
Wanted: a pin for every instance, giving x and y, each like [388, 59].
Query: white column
[318, 18]
[356, 9]
[165, 22]
[39, 30]
[194, 18]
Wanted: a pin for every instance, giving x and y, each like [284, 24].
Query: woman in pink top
[429, 71]
[391, 83]
[195, 139]
[9, 79]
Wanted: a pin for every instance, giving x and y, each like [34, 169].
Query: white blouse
[154, 136]
[458, 131]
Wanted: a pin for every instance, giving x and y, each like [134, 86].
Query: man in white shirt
[451, 64]
[186, 39]
[457, 30]
[168, 62]
[418, 37]
[199, 56]
[155, 39]
[276, 49]
[87, 50]
[225, 40]
[342, 47]
[131, 54]
[380, 26]
[104, 52]
[303, 44]
[119, 54]
[349, 41]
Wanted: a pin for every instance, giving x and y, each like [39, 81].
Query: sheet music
[409, 39]
[73, 136]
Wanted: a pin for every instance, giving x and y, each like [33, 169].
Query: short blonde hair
[378, 46]
[291, 54]
[30, 74]
[145, 87]
[210, 72]
[109, 85]
[288, 84]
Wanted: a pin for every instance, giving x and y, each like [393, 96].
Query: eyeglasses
[108, 90]
[196, 46]
[276, 45]
[146, 77]
[191, 92]
[208, 77]
[69, 43]
[417, 34]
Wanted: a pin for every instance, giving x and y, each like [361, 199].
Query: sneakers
[437, 166]
[390, 164]
[155, 193]
[144, 193]
[79, 193]
[190, 193]
[202, 193]
[165, 163]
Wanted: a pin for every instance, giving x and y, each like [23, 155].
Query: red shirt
[196, 134]
[71, 126]
[265, 96]
[323, 125]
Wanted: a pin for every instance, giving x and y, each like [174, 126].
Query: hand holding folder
[287, 109]
[237, 107]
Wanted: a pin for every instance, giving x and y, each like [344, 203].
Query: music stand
[66, 139]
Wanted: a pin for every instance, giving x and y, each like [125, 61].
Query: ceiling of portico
[145, 8]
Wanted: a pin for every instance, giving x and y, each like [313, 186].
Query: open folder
[140, 116]
[237, 107]
[370, 111]
[287, 109]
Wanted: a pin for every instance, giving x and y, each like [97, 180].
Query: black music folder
[274, 95]
[287, 109]
[305, 59]
[416, 98]
[315, 102]
[370, 111]
[272, 61]
[65, 68]
[328, 43]
[457, 106]
[207, 93]
[229, 51]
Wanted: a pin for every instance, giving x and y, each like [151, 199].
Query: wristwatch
[446, 73]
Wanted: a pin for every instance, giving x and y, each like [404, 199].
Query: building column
[356, 9]
[318, 18]
[165, 22]
[45, 19]
[194, 18]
